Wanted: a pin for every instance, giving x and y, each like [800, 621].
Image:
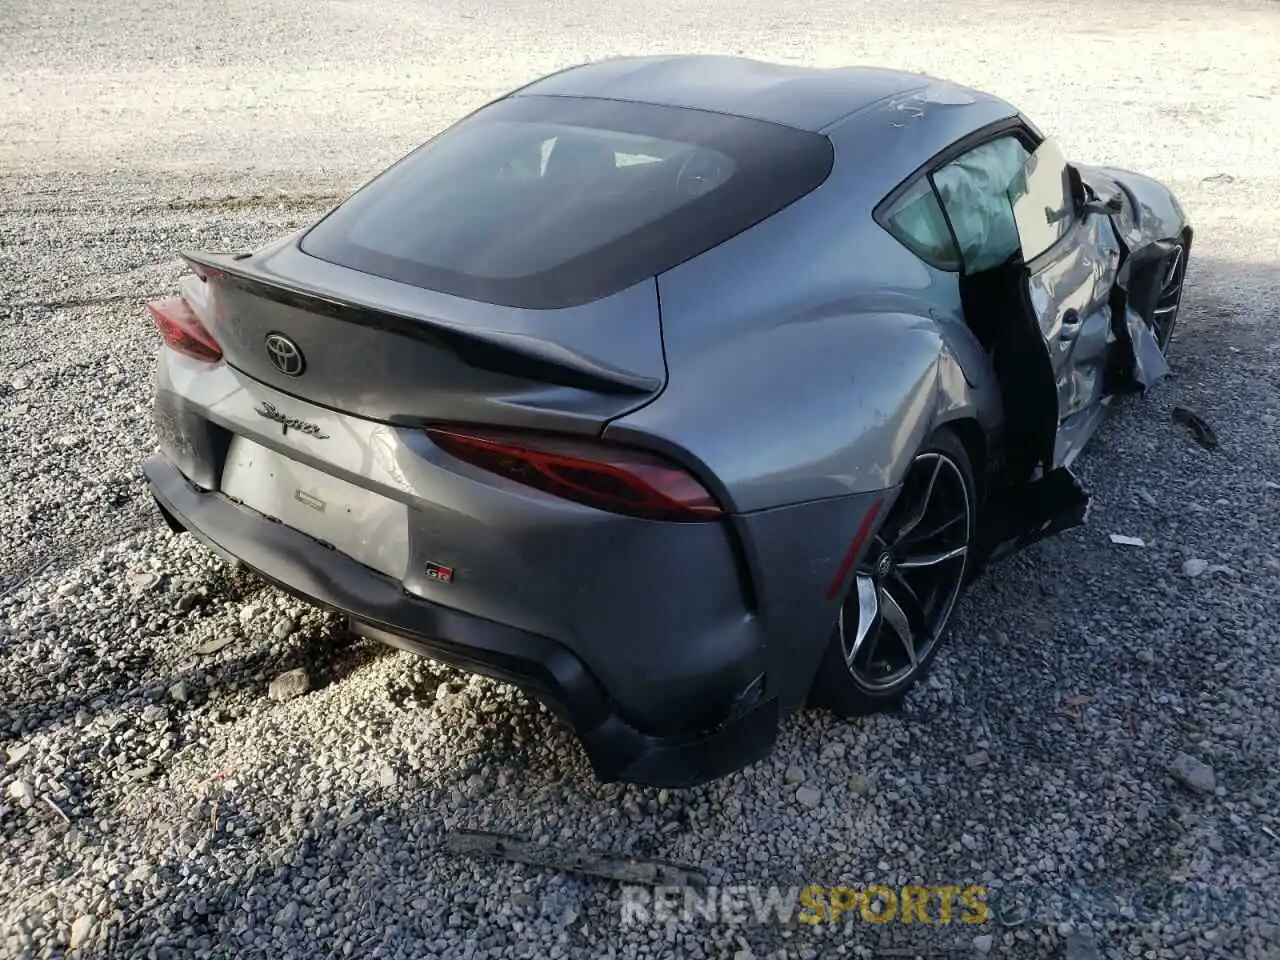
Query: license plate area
[364, 525]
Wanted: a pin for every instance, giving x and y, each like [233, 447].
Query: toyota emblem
[285, 355]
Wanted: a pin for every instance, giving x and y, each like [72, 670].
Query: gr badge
[438, 572]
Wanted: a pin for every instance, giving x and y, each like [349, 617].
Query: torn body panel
[1094, 297]
[1017, 516]
[1155, 241]
[1151, 213]
[1043, 283]
[1052, 293]
[1036, 495]
[1070, 298]
[1094, 309]
[1138, 360]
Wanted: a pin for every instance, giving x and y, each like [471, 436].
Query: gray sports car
[679, 391]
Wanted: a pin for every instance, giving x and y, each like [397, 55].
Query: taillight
[600, 475]
[182, 329]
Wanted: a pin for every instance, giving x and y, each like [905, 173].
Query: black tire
[869, 685]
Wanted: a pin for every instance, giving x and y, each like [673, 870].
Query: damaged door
[1039, 271]
[1070, 257]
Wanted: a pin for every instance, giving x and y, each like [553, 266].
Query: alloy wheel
[1165, 314]
[913, 573]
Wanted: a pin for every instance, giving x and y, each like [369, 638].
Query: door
[1070, 258]
[1036, 280]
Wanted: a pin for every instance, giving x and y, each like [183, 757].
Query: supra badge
[269, 411]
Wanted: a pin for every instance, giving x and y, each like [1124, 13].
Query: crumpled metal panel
[1141, 277]
[1149, 364]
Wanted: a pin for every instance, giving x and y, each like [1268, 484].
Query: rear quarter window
[916, 221]
[547, 202]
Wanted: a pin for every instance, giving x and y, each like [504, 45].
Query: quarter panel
[966, 379]
[892, 140]
[803, 355]
[824, 406]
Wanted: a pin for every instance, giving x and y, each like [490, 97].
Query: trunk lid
[387, 351]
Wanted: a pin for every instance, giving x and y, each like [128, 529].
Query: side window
[916, 220]
[1042, 200]
[974, 191]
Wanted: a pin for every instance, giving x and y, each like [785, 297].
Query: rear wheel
[1165, 316]
[892, 623]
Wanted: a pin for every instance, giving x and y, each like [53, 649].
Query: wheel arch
[880, 588]
[974, 440]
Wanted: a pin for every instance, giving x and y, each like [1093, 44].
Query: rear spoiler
[513, 354]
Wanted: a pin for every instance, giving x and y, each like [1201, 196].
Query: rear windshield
[549, 202]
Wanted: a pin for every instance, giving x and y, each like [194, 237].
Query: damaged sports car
[679, 391]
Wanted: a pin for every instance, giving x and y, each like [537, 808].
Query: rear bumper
[380, 608]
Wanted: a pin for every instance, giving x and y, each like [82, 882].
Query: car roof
[808, 98]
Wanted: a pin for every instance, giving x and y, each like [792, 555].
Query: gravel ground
[1102, 723]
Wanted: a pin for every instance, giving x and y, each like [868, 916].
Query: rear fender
[826, 406]
[805, 430]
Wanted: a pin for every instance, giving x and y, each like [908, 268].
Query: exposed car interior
[962, 218]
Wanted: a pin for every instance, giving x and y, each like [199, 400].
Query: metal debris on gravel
[593, 863]
[1201, 432]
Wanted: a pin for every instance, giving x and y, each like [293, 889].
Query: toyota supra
[679, 391]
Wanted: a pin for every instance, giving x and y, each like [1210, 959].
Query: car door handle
[1071, 324]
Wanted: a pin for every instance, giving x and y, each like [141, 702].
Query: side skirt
[1015, 517]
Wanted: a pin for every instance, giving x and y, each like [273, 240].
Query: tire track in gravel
[69, 550]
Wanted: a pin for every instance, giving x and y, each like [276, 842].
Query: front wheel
[1165, 316]
[891, 624]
